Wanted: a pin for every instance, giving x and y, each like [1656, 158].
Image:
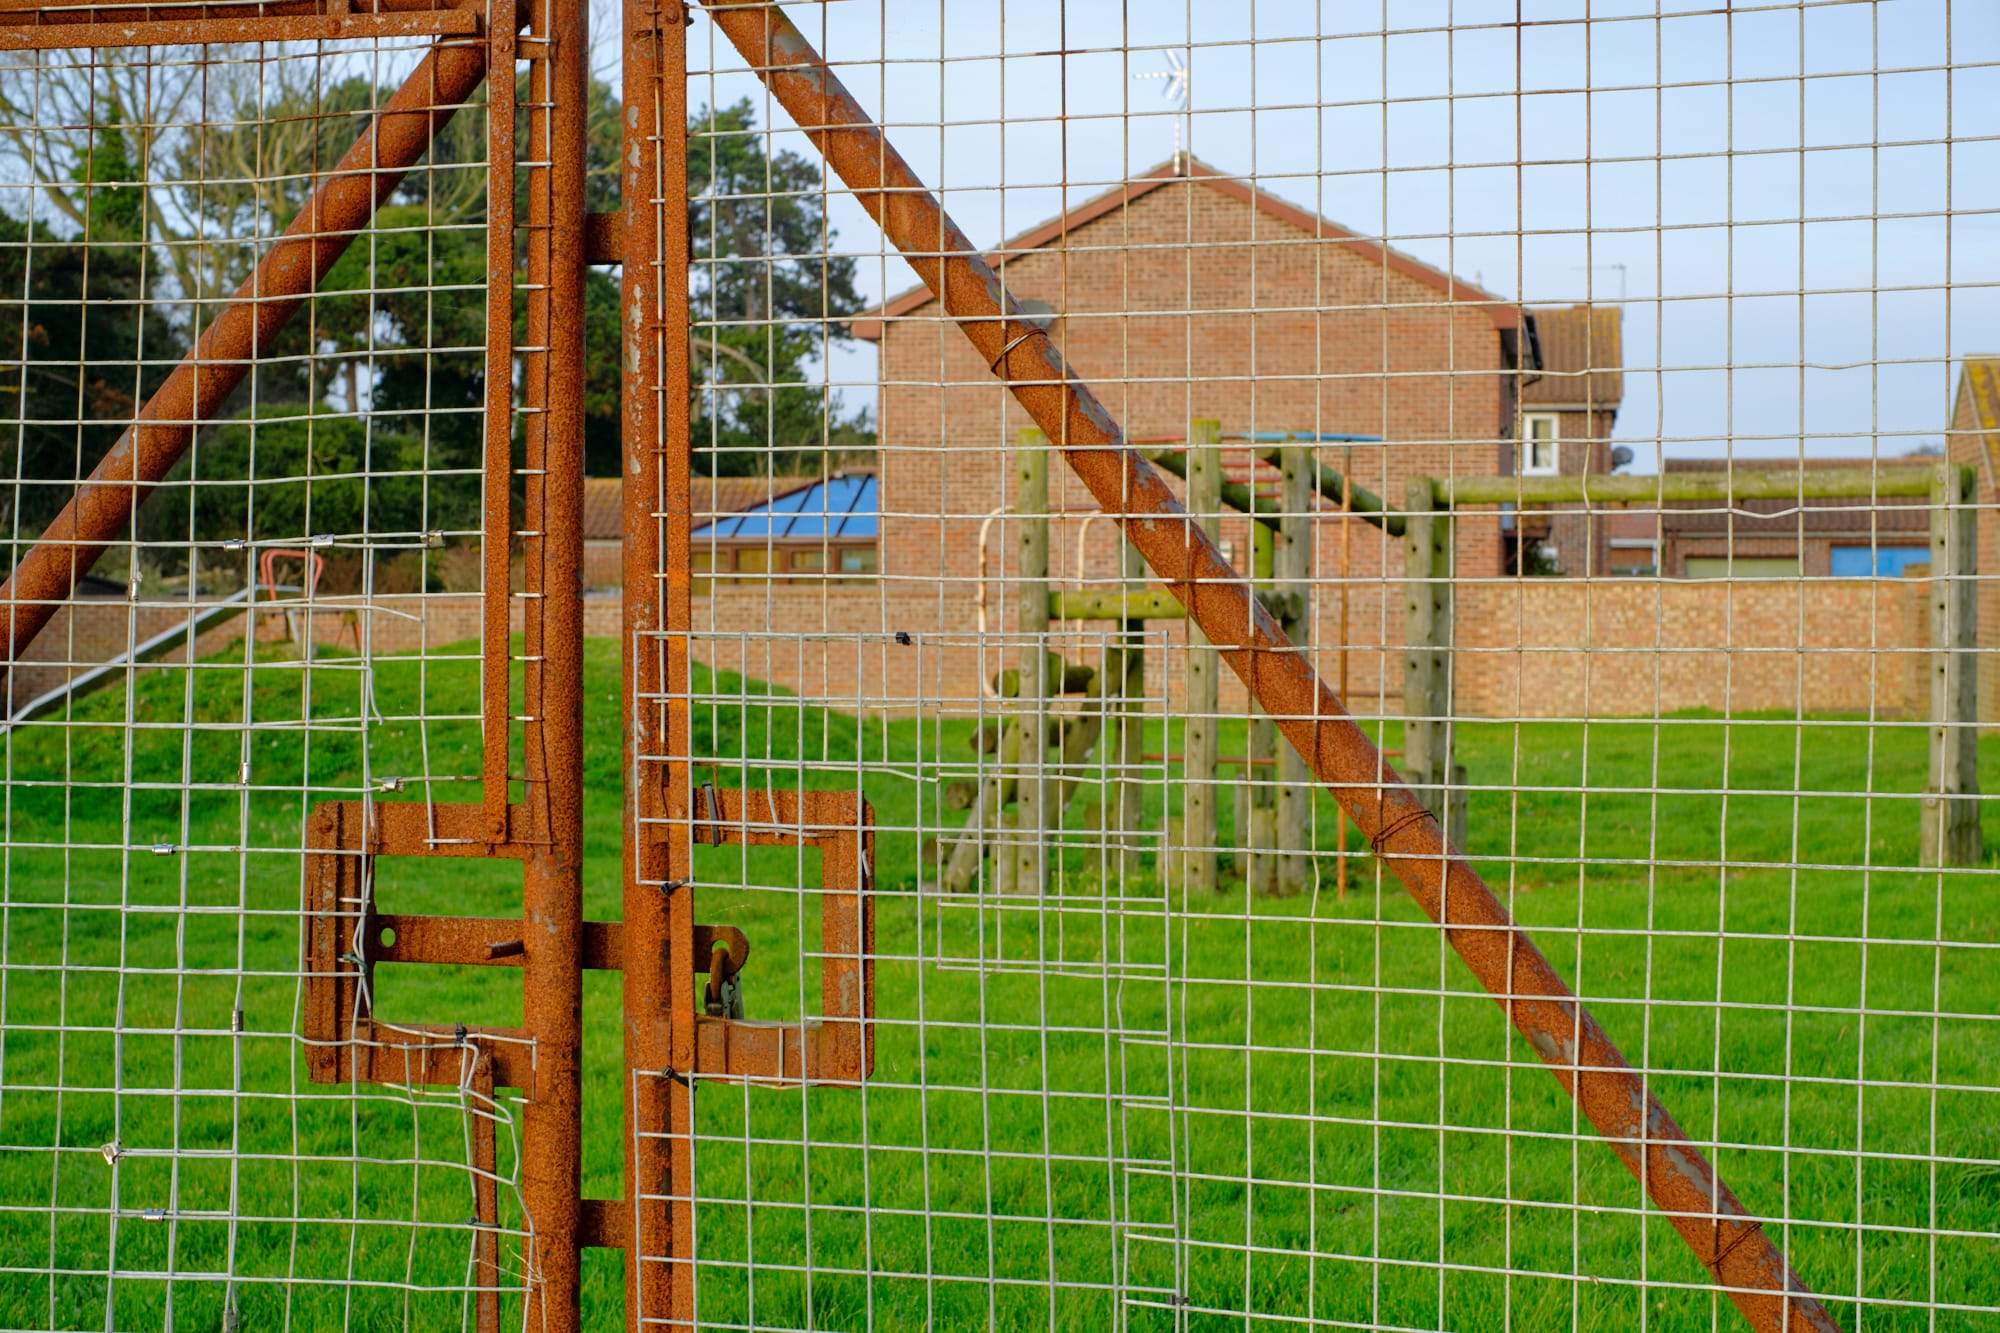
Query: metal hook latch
[723, 997]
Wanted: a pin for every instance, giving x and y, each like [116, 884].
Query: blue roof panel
[843, 508]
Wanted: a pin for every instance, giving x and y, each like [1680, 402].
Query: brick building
[1816, 538]
[723, 541]
[1183, 294]
[1568, 411]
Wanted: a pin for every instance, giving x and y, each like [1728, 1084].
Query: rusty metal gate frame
[344, 936]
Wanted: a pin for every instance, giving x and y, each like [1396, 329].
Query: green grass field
[1105, 1105]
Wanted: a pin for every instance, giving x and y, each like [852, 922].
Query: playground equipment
[1038, 759]
[313, 564]
[1949, 828]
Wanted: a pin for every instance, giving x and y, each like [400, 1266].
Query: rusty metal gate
[430, 432]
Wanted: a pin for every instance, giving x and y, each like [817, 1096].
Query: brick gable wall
[1189, 303]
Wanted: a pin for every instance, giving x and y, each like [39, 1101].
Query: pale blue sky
[1802, 243]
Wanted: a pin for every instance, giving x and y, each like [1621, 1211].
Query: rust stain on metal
[473, 940]
[496, 479]
[106, 33]
[86, 13]
[341, 941]
[1582, 1058]
[604, 238]
[552, 672]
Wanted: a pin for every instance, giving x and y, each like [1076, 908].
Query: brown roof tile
[1583, 356]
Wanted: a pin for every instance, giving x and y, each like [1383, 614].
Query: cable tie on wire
[1715, 1264]
[903, 637]
[1012, 344]
[674, 1075]
[673, 884]
[1397, 826]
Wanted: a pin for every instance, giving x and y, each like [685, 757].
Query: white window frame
[1528, 442]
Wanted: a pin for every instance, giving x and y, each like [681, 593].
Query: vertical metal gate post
[552, 736]
[497, 467]
[659, 943]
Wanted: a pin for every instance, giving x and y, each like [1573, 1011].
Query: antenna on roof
[1177, 78]
[1598, 268]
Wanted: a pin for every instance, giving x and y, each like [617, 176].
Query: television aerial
[1176, 80]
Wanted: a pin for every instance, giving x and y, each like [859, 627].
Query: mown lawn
[1110, 1104]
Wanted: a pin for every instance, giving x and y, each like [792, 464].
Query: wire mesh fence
[1249, 668]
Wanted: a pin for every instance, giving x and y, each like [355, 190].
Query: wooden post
[1256, 788]
[989, 817]
[1130, 748]
[1198, 737]
[1950, 826]
[1427, 729]
[1293, 568]
[1030, 844]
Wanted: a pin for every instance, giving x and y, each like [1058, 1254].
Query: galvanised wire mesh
[1609, 377]
[1595, 397]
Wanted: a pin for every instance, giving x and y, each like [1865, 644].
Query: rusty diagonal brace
[1610, 1092]
[296, 264]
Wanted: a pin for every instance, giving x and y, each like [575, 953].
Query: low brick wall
[86, 634]
[1560, 648]
[1531, 648]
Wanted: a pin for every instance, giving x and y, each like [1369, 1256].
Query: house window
[753, 559]
[858, 560]
[809, 560]
[1541, 453]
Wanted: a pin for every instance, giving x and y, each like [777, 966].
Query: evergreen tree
[770, 295]
[84, 339]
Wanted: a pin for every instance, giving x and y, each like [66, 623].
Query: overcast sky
[1802, 244]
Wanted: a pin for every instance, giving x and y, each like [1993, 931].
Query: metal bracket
[345, 936]
[838, 1046]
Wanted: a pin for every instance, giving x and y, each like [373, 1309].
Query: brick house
[1186, 293]
[1849, 538]
[1818, 537]
[1567, 415]
[1632, 542]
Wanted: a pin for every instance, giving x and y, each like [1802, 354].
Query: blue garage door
[1858, 562]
